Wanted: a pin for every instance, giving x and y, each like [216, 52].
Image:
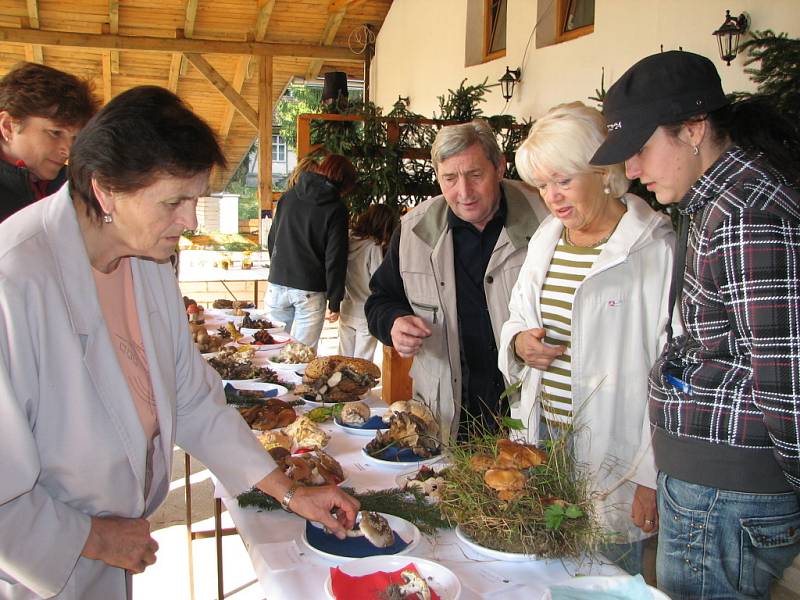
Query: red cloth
[367, 587]
[39, 188]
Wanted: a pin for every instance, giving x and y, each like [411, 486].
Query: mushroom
[413, 584]
[508, 483]
[375, 528]
[355, 413]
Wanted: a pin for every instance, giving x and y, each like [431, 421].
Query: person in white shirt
[369, 239]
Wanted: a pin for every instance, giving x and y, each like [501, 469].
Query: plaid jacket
[740, 356]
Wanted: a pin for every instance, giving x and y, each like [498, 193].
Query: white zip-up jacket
[618, 318]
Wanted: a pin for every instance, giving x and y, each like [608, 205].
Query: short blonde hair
[564, 140]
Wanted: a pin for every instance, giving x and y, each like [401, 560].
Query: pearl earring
[107, 218]
[606, 190]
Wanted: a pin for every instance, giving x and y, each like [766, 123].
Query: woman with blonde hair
[587, 317]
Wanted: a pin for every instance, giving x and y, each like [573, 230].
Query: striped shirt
[568, 267]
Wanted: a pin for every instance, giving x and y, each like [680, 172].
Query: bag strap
[678, 270]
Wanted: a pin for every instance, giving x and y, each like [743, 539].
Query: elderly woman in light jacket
[587, 320]
[99, 376]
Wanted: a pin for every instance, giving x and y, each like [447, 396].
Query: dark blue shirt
[482, 382]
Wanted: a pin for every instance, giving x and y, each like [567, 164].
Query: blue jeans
[716, 544]
[301, 310]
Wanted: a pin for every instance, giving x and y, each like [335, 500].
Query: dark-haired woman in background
[369, 239]
[724, 397]
[307, 245]
[99, 377]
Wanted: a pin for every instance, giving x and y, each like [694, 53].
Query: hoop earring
[107, 218]
[695, 150]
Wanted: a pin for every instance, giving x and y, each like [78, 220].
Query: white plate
[288, 366]
[441, 579]
[599, 583]
[405, 529]
[238, 382]
[315, 404]
[277, 326]
[260, 386]
[399, 463]
[489, 553]
[280, 340]
[402, 479]
[358, 431]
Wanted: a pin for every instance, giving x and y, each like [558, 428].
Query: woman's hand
[327, 505]
[529, 347]
[121, 542]
[644, 510]
[331, 316]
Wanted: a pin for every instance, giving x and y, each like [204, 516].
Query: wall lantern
[508, 81]
[728, 35]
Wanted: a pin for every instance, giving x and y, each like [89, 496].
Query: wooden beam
[174, 72]
[157, 44]
[33, 13]
[191, 16]
[265, 134]
[224, 88]
[113, 28]
[265, 8]
[106, 77]
[33, 52]
[328, 35]
[188, 28]
[339, 4]
[238, 82]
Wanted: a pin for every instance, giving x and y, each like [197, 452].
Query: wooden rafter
[224, 88]
[238, 82]
[106, 77]
[243, 66]
[191, 17]
[113, 28]
[158, 44]
[265, 8]
[188, 27]
[336, 13]
[174, 72]
[265, 133]
[33, 52]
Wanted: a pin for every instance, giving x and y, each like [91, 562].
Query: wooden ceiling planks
[114, 69]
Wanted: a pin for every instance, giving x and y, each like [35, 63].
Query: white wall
[420, 51]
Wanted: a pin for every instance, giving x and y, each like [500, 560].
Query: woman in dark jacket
[308, 249]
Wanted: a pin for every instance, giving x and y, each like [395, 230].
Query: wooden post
[397, 384]
[265, 136]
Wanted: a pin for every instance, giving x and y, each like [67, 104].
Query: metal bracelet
[287, 497]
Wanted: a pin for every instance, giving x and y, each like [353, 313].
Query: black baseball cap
[661, 89]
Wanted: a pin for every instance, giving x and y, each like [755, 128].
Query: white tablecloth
[289, 570]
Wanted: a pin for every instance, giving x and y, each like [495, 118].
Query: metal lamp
[508, 81]
[728, 35]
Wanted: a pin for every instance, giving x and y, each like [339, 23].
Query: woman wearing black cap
[725, 397]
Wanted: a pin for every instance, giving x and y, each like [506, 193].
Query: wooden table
[287, 569]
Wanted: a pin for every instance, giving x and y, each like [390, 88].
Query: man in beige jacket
[441, 294]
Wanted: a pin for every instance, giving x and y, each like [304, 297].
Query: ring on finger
[649, 522]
